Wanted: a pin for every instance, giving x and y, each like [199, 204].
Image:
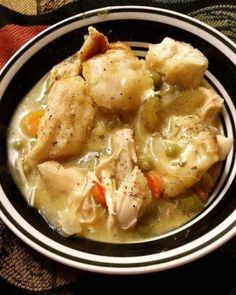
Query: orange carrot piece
[30, 122]
[98, 194]
[155, 184]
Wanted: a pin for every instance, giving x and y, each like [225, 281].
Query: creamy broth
[151, 139]
[167, 214]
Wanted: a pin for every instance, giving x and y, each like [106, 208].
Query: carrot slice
[30, 122]
[98, 194]
[155, 184]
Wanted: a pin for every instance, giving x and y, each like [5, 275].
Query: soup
[115, 148]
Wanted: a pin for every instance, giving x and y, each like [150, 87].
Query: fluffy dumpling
[177, 62]
[68, 118]
[117, 80]
[184, 152]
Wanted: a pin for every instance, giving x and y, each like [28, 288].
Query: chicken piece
[69, 222]
[60, 180]
[184, 153]
[73, 185]
[65, 125]
[133, 195]
[129, 197]
[123, 146]
[117, 80]
[225, 144]
[70, 67]
[132, 198]
[212, 106]
[118, 165]
[178, 62]
[95, 43]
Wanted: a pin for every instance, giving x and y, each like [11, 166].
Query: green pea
[27, 168]
[190, 205]
[172, 149]
[18, 144]
[145, 162]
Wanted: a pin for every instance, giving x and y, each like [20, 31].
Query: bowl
[138, 26]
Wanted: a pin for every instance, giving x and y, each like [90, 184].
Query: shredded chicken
[212, 106]
[225, 145]
[123, 146]
[94, 44]
[75, 187]
[132, 198]
[52, 174]
[129, 197]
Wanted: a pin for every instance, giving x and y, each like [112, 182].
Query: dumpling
[184, 153]
[117, 80]
[68, 118]
[177, 62]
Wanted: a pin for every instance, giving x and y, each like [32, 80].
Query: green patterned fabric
[221, 17]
